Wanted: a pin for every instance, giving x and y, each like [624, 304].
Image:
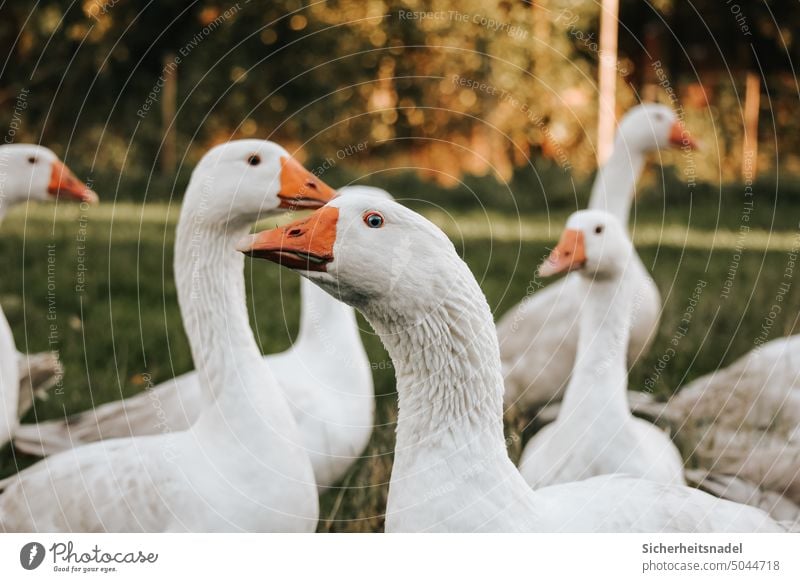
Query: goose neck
[210, 282]
[447, 363]
[599, 380]
[615, 186]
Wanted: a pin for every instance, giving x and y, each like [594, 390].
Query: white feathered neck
[209, 277]
[446, 360]
[615, 185]
[598, 385]
[451, 469]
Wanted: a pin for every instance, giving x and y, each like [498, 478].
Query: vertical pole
[609, 23]
[168, 108]
[752, 98]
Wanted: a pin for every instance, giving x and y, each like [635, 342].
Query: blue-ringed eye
[373, 219]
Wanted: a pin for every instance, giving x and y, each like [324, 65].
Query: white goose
[539, 337]
[241, 466]
[741, 426]
[451, 470]
[595, 432]
[325, 375]
[29, 172]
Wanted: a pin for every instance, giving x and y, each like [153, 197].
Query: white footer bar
[349, 558]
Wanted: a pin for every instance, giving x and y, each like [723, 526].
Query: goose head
[593, 243]
[363, 250]
[651, 127]
[248, 179]
[33, 172]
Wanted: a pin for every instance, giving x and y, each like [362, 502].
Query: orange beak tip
[546, 269]
[569, 254]
[246, 243]
[91, 197]
[679, 138]
[687, 142]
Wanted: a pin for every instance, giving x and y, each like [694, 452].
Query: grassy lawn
[124, 322]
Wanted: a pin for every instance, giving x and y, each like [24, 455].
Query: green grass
[125, 322]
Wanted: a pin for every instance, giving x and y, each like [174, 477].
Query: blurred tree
[450, 88]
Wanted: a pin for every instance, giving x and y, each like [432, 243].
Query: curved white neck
[615, 185]
[599, 381]
[450, 453]
[447, 364]
[210, 283]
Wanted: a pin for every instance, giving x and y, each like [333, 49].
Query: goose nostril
[294, 232]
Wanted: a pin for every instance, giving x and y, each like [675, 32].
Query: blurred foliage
[442, 88]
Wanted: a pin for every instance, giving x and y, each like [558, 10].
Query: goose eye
[254, 160]
[32, 160]
[598, 229]
[373, 219]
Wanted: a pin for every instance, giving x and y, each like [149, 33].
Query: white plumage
[325, 376]
[242, 465]
[742, 424]
[30, 172]
[595, 432]
[539, 336]
[451, 470]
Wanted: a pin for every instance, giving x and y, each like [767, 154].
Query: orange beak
[305, 244]
[569, 254]
[300, 189]
[679, 137]
[64, 183]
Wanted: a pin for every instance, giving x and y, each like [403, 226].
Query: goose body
[241, 466]
[742, 422]
[451, 470]
[9, 382]
[539, 336]
[37, 374]
[325, 376]
[732, 488]
[595, 432]
[30, 172]
[183, 481]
